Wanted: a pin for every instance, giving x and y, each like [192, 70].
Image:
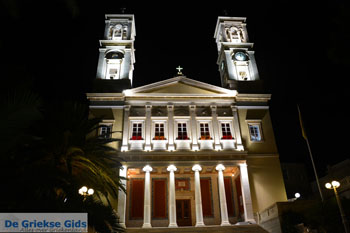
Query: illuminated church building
[195, 154]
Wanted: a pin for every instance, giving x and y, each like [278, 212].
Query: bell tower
[117, 54]
[236, 59]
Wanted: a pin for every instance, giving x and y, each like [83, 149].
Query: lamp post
[334, 185]
[84, 191]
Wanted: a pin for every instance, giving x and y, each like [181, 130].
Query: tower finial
[122, 10]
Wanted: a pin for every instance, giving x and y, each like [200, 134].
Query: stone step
[253, 228]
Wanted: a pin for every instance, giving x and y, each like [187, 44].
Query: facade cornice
[253, 97]
[116, 42]
[185, 156]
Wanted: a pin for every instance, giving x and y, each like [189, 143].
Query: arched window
[114, 60]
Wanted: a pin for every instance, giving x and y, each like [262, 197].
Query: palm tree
[47, 159]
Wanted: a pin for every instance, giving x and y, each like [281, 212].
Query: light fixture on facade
[297, 195]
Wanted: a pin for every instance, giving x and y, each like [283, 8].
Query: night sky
[302, 53]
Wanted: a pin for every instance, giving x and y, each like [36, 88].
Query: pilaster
[237, 129]
[217, 144]
[194, 127]
[148, 128]
[122, 198]
[171, 146]
[247, 200]
[125, 146]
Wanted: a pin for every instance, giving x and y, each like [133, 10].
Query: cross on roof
[179, 70]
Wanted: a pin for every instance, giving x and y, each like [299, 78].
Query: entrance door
[183, 212]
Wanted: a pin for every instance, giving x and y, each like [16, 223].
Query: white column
[247, 200]
[122, 198]
[147, 198]
[198, 198]
[215, 128]
[148, 125]
[172, 201]
[171, 146]
[194, 127]
[223, 205]
[125, 146]
[237, 128]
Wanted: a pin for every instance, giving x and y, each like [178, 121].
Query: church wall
[267, 145]
[266, 182]
[118, 127]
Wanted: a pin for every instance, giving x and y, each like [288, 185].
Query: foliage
[48, 152]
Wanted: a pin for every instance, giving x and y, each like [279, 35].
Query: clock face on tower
[240, 56]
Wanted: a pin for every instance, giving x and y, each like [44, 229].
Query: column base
[124, 148]
[172, 225]
[244, 223]
[251, 221]
[240, 147]
[171, 147]
[225, 224]
[200, 224]
[195, 147]
[122, 224]
[148, 148]
[146, 225]
[218, 147]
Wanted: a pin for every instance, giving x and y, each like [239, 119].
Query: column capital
[220, 167]
[148, 107]
[147, 168]
[192, 107]
[127, 107]
[234, 108]
[171, 168]
[197, 168]
[170, 107]
[213, 107]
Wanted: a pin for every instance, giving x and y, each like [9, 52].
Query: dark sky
[302, 52]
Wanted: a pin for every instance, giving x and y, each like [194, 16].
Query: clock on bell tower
[236, 59]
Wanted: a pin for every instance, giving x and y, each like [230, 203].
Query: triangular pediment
[180, 86]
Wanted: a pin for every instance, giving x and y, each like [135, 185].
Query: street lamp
[84, 191]
[334, 185]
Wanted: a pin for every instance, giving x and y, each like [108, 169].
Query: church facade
[194, 154]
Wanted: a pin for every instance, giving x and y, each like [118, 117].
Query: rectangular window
[182, 131]
[136, 131]
[226, 131]
[106, 131]
[159, 131]
[205, 133]
[255, 132]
